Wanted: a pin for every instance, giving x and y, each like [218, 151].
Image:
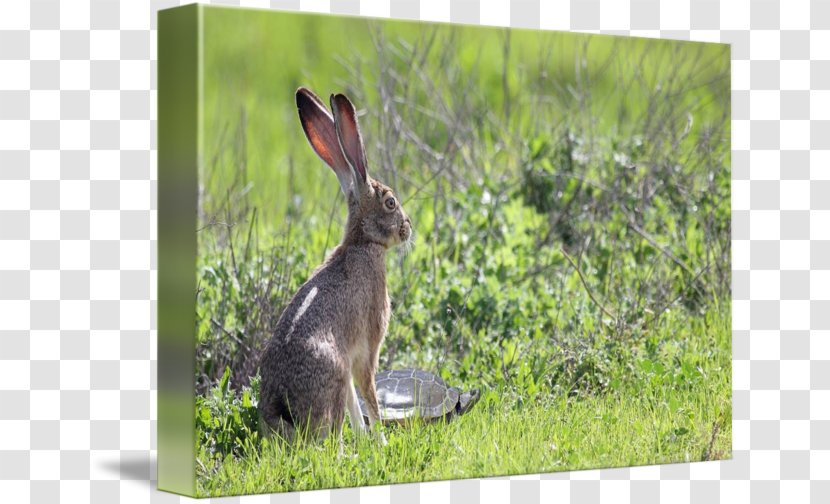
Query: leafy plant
[227, 423]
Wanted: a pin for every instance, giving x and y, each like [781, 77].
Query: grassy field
[570, 199]
[661, 414]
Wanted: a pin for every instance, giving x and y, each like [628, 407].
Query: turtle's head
[467, 400]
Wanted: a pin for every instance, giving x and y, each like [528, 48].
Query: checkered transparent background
[78, 250]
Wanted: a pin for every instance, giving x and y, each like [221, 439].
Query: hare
[329, 336]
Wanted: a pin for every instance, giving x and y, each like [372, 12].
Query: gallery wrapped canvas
[396, 251]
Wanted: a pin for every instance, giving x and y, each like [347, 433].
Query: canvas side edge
[179, 57]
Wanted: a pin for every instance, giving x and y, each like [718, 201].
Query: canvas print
[395, 251]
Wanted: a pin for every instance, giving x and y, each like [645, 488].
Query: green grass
[661, 414]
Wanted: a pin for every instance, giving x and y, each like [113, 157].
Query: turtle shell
[405, 393]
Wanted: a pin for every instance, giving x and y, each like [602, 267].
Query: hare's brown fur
[332, 329]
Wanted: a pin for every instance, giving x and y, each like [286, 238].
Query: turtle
[415, 393]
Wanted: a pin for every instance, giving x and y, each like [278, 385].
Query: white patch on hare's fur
[306, 303]
[303, 307]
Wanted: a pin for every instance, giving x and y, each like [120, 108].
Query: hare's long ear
[348, 132]
[321, 133]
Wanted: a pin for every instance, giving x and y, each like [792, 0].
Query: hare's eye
[390, 203]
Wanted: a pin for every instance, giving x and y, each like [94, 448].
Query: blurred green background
[570, 197]
[255, 61]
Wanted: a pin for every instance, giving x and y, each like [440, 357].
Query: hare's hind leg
[329, 406]
[329, 410]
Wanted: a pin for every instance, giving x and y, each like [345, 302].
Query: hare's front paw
[382, 438]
